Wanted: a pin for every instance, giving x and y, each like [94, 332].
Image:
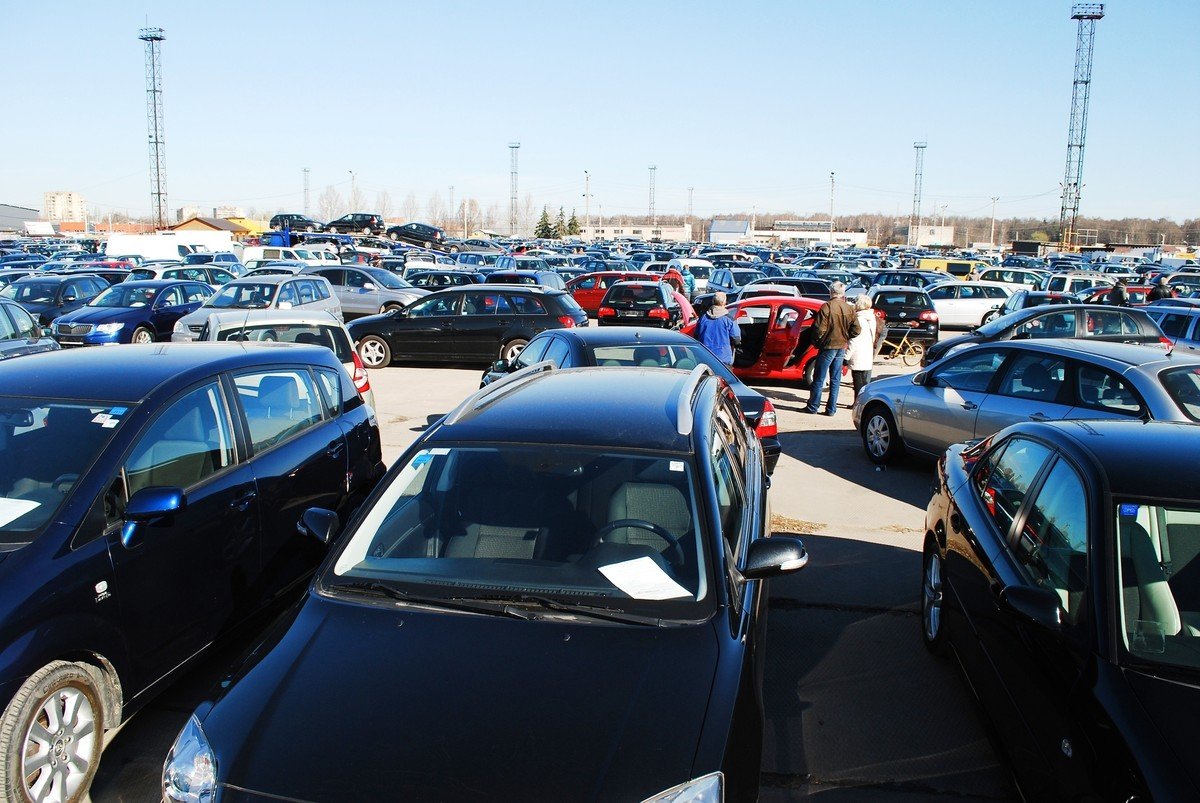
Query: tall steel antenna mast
[513, 147]
[914, 221]
[1087, 14]
[653, 219]
[306, 192]
[154, 124]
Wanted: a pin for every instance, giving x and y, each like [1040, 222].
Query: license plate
[631, 313]
[70, 338]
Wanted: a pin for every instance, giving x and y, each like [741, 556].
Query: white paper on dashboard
[641, 578]
[13, 509]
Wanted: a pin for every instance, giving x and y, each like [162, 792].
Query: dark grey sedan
[20, 334]
[985, 388]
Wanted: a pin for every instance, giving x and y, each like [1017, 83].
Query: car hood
[37, 307]
[97, 315]
[408, 703]
[1174, 708]
[945, 345]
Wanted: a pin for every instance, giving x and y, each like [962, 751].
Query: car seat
[1150, 606]
[655, 502]
[500, 512]
[1036, 380]
[180, 458]
[647, 356]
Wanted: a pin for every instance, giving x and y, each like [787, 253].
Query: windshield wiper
[579, 609]
[447, 603]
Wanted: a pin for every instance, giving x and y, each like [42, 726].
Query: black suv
[473, 323]
[640, 304]
[421, 234]
[357, 223]
[586, 533]
[295, 222]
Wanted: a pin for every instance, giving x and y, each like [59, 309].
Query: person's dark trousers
[829, 368]
[861, 379]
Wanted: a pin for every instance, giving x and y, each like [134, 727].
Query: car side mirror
[368, 286]
[285, 305]
[69, 300]
[774, 556]
[921, 378]
[1039, 606]
[501, 366]
[47, 331]
[150, 506]
[319, 523]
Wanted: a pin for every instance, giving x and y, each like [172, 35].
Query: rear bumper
[771, 451]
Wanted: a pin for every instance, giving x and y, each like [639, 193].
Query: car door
[485, 317]
[787, 325]
[424, 328]
[943, 409]
[337, 280]
[168, 308]
[361, 294]
[1032, 387]
[946, 302]
[19, 333]
[176, 579]
[1101, 393]
[299, 460]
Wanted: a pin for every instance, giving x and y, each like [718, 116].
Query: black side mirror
[501, 366]
[150, 506]
[774, 556]
[921, 378]
[69, 300]
[319, 523]
[1039, 606]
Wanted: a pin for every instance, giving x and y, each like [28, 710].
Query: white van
[147, 246]
[269, 252]
[699, 269]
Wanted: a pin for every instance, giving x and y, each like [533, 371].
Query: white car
[968, 304]
[1015, 278]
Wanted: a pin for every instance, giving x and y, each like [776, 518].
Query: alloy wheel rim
[513, 351]
[932, 596]
[59, 746]
[142, 338]
[372, 353]
[879, 436]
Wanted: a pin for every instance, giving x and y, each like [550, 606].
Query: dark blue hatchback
[131, 312]
[149, 498]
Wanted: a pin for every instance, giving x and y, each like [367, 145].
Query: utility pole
[587, 201]
[688, 221]
[306, 192]
[943, 223]
[451, 211]
[353, 187]
[1087, 14]
[154, 124]
[992, 236]
[914, 220]
[513, 147]
[831, 213]
[653, 218]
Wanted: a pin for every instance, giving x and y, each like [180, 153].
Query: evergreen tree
[544, 230]
[560, 224]
[573, 224]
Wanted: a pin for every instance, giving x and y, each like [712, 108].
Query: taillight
[768, 425]
[658, 312]
[606, 312]
[361, 382]
[567, 321]
[929, 315]
[1166, 342]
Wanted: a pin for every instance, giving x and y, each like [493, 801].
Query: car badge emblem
[903, 314]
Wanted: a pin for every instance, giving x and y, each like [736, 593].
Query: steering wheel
[63, 482]
[642, 524]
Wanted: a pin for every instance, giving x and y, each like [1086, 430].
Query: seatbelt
[1164, 540]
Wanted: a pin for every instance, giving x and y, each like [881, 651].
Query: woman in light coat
[861, 356]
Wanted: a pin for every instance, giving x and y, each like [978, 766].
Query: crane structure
[1087, 14]
[153, 38]
[914, 220]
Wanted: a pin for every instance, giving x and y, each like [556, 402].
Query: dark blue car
[149, 498]
[49, 296]
[131, 312]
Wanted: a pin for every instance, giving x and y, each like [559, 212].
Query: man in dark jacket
[1119, 296]
[833, 326]
[1162, 289]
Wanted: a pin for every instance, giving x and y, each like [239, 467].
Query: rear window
[636, 294]
[1183, 386]
[331, 337]
[919, 300]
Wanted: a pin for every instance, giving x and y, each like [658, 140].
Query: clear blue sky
[750, 103]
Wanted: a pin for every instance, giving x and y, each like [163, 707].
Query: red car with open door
[589, 289]
[776, 341]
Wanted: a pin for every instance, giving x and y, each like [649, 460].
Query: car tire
[879, 436]
[333, 230]
[38, 742]
[810, 373]
[366, 230]
[990, 316]
[429, 245]
[374, 351]
[142, 336]
[510, 350]
[933, 626]
[310, 229]
[391, 307]
[393, 236]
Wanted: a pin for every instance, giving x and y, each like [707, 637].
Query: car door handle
[968, 405]
[502, 322]
[334, 449]
[243, 501]
[1038, 417]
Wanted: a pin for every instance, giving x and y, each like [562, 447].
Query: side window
[308, 291]
[1052, 546]
[526, 305]
[1004, 478]
[287, 294]
[557, 352]
[994, 292]
[278, 404]
[942, 293]
[356, 278]
[187, 443]
[331, 389]
[532, 353]
[1102, 390]
[7, 330]
[1057, 283]
[173, 297]
[1031, 376]
[1103, 322]
[335, 276]
[1174, 324]
[26, 326]
[430, 307]
[973, 372]
[322, 290]
[730, 503]
[195, 292]
[1054, 324]
[586, 284]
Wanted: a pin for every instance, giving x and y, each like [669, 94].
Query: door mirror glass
[921, 378]
[774, 556]
[320, 523]
[70, 299]
[368, 286]
[1039, 606]
[500, 366]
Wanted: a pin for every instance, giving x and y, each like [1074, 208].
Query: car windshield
[31, 292]
[553, 522]
[1160, 598]
[741, 278]
[1183, 386]
[309, 334]
[47, 445]
[243, 296]
[121, 295]
[699, 271]
[387, 279]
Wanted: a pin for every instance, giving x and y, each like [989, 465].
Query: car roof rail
[683, 415]
[490, 393]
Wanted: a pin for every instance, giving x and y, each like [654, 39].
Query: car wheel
[390, 308]
[429, 245]
[333, 230]
[810, 373]
[142, 336]
[310, 229]
[932, 629]
[879, 435]
[394, 236]
[366, 230]
[511, 349]
[373, 350]
[990, 316]
[51, 734]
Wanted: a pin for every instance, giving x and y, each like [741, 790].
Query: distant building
[13, 218]
[188, 212]
[212, 224]
[930, 235]
[729, 232]
[808, 233]
[63, 205]
[227, 212]
[637, 230]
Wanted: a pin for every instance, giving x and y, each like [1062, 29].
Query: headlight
[190, 771]
[180, 326]
[705, 789]
[110, 328]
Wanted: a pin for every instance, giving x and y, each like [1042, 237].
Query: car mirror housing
[319, 523]
[1039, 606]
[921, 378]
[500, 366]
[368, 286]
[150, 505]
[774, 556]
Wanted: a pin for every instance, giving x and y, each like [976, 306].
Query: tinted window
[557, 352]
[1104, 322]
[187, 443]
[533, 352]
[331, 389]
[1031, 376]
[1175, 324]
[993, 292]
[1003, 479]
[1052, 546]
[437, 305]
[944, 292]
[526, 305]
[973, 372]
[1103, 390]
[485, 304]
[1054, 324]
[730, 505]
[335, 276]
[278, 404]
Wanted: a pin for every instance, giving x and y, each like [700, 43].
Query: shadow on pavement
[856, 708]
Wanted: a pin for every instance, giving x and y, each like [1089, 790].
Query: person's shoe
[828, 412]
[810, 412]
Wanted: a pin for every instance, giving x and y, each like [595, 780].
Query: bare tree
[410, 209]
[435, 210]
[356, 200]
[330, 204]
[383, 204]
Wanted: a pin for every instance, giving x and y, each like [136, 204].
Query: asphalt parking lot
[855, 707]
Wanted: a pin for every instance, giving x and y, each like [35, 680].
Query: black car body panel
[634, 303]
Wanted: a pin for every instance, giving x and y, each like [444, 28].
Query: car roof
[267, 278]
[1119, 356]
[624, 336]
[131, 373]
[565, 406]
